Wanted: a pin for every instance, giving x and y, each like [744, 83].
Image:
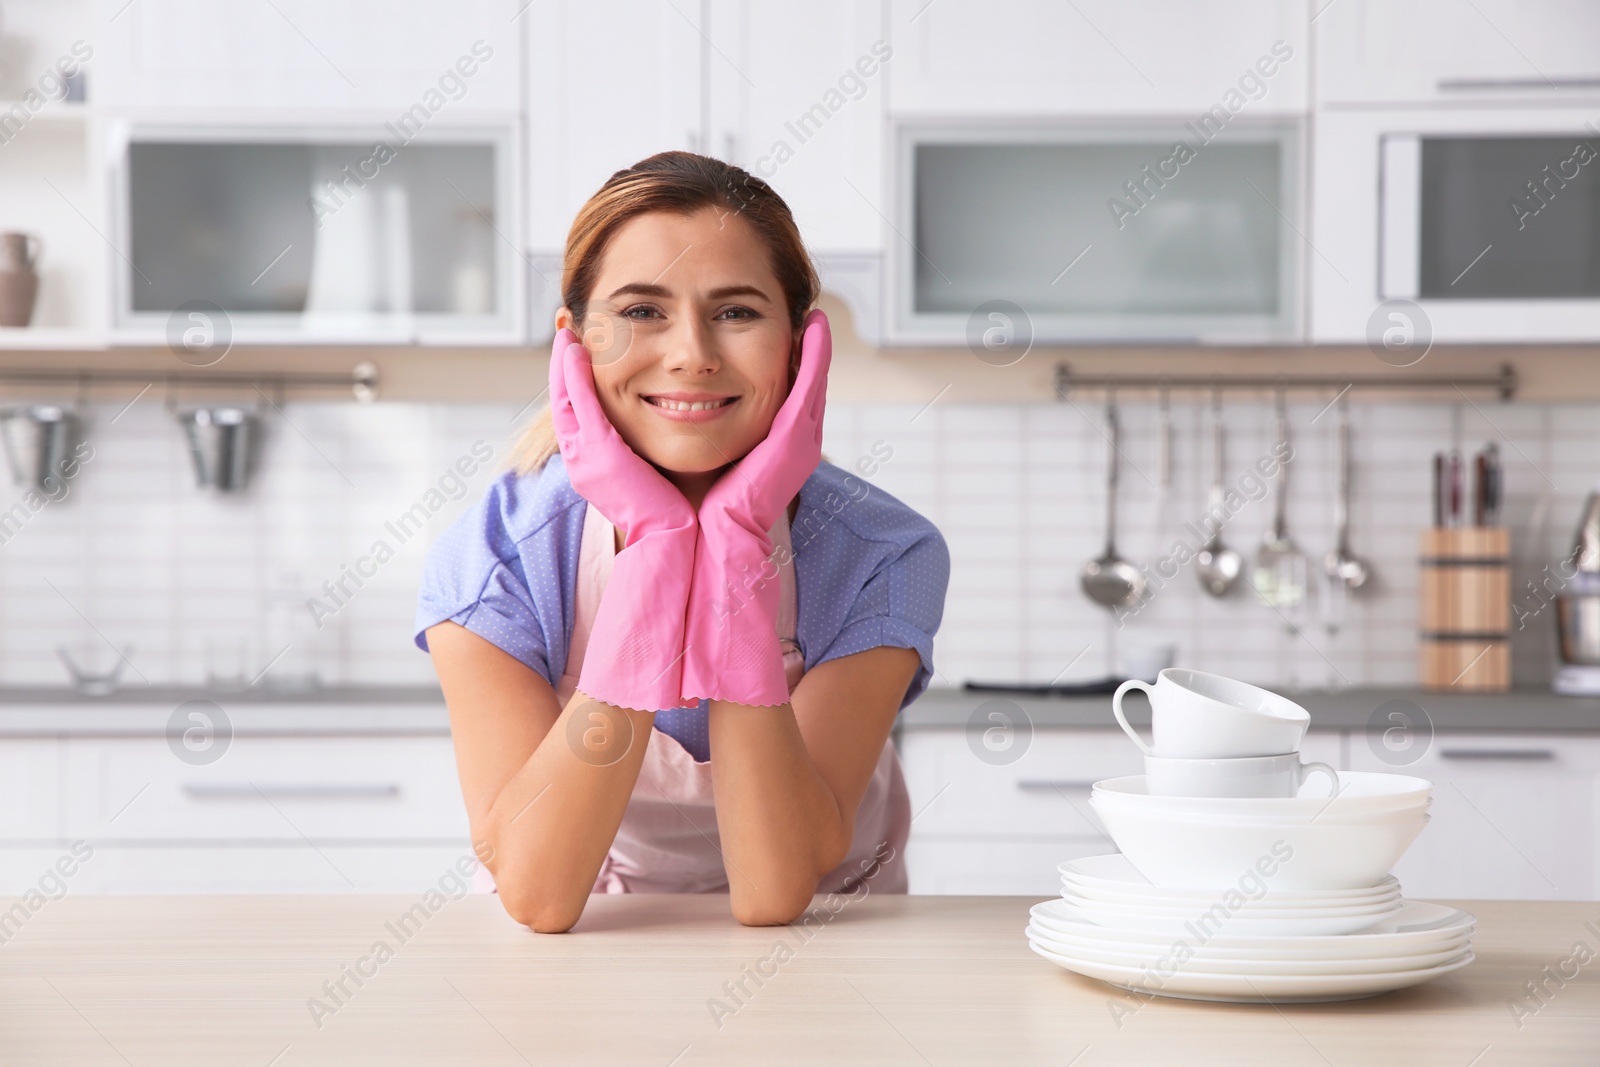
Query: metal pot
[221, 443]
[37, 440]
[1578, 628]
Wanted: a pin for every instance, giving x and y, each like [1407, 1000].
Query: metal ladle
[1112, 581]
[1280, 567]
[1218, 566]
[1340, 564]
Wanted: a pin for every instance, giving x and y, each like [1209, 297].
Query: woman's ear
[565, 321]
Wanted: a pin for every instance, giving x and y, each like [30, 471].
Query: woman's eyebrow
[641, 289]
[737, 290]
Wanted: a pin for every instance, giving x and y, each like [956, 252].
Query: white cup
[1195, 715]
[1248, 776]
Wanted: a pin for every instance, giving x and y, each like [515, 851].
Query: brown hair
[685, 183]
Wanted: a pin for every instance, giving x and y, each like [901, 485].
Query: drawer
[988, 867]
[321, 790]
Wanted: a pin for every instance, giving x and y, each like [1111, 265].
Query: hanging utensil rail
[362, 380]
[1504, 383]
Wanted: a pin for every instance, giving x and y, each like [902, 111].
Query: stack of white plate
[1409, 946]
[1253, 899]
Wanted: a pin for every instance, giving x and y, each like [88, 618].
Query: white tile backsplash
[135, 554]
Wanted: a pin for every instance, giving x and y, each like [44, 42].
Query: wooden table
[653, 980]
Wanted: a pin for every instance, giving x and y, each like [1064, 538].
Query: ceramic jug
[19, 281]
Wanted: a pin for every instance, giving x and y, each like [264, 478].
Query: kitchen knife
[1480, 488]
[1438, 489]
[1455, 487]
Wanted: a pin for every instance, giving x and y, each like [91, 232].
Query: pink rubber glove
[635, 657]
[732, 650]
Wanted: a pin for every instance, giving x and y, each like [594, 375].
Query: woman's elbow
[772, 909]
[542, 912]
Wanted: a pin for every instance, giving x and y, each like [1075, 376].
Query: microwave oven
[1486, 219]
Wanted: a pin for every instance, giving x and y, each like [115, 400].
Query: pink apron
[667, 841]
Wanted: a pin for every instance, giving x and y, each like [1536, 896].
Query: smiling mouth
[690, 405]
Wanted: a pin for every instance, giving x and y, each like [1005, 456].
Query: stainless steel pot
[1578, 628]
[37, 440]
[221, 443]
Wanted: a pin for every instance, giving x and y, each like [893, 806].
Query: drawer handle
[1040, 785]
[1498, 753]
[209, 791]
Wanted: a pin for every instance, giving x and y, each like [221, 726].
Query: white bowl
[1112, 874]
[1109, 800]
[1360, 792]
[1215, 854]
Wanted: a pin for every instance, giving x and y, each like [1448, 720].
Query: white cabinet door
[30, 791]
[608, 85]
[1459, 51]
[1042, 57]
[384, 56]
[797, 98]
[1513, 816]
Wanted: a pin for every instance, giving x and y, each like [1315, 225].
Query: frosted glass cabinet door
[1139, 232]
[376, 238]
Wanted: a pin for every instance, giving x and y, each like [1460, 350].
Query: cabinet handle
[1456, 85]
[209, 791]
[1498, 753]
[1050, 785]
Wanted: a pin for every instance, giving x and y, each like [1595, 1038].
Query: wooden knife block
[1464, 614]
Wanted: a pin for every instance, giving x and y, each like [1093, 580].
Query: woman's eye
[738, 314]
[639, 312]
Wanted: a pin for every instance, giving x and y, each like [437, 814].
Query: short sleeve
[506, 570]
[900, 606]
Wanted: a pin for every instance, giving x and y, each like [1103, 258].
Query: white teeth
[685, 405]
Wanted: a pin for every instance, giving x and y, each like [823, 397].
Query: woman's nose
[691, 348]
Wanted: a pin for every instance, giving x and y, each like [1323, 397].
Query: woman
[669, 574]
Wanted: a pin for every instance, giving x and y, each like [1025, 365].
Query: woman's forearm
[552, 823]
[780, 824]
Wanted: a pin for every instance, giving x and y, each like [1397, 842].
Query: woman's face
[690, 338]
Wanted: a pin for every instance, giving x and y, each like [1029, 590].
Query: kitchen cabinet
[1096, 57]
[30, 794]
[796, 97]
[608, 85]
[236, 61]
[983, 827]
[274, 814]
[1367, 227]
[1514, 815]
[373, 233]
[1375, 53]
[793, 94]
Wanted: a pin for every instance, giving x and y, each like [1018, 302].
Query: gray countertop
[420, 711]
[1338, 709]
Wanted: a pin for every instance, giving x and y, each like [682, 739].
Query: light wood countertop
[883, 980]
